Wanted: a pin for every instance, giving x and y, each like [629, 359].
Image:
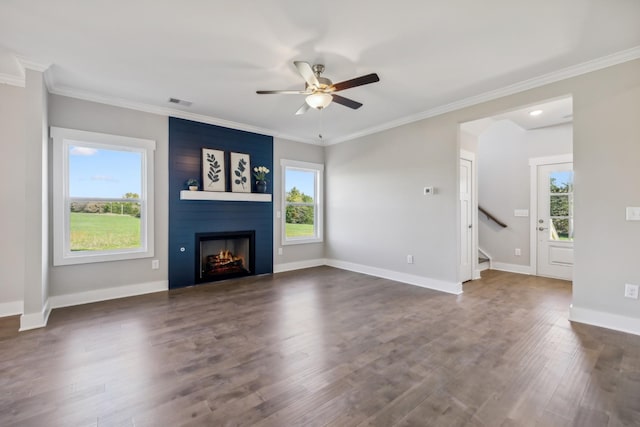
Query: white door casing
[467, 262]
[552, 219]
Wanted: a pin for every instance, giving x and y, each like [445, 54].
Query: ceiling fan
[320, 91]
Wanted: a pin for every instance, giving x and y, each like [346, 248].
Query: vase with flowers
[260, 174]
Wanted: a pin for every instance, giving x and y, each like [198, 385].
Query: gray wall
[606, 152]
[13, 172]
[550, 141]
[36, 218]
[468, 141]
[94, 117]
[376, 211]
[376, 214]
[504, 150]
[285, 149]
[503, 185]
[84, 115]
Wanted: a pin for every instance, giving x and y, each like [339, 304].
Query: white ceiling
[430, 55]
[553, 112]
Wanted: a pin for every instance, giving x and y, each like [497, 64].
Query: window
[561, 205]
[302, 202]
[102, 197]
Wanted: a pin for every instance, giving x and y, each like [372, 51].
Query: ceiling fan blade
[346, 102]
[358, 81]
[307, 73]
[283, 92]
[305, 107]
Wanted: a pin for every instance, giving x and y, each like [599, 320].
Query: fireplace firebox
[224, 255]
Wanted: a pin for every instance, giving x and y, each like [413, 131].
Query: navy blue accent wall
[188, 217]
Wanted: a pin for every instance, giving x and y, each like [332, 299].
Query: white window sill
[301, 241]
[88, 257]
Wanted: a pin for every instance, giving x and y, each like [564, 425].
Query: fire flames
[224, 262]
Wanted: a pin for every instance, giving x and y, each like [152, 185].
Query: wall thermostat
[428, 191]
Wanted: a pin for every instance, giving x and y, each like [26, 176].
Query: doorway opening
[508, 151]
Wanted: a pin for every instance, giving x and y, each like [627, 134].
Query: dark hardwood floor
[322, 347]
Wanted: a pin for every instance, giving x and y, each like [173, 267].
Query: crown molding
[164, 111]
[28, 64]
[12, 80]
[545, 79]
[565, 73]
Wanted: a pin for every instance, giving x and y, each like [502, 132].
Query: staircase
[484, 260]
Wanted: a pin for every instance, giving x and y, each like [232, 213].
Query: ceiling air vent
[180, 102]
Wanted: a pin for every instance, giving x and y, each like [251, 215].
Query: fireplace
[223, 255]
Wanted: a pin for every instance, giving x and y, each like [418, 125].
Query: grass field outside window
[102, 232]
[300, 230]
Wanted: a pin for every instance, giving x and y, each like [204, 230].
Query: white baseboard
[411, 279]
[299, 265]
[511, 268]
[87, 297]
[35, 320]
[630, 325]
[11, 308]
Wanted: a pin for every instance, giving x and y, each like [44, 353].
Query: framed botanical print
[240, 173]
[213, 172]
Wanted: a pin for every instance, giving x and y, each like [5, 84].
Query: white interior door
[554, 227]
[466, 220]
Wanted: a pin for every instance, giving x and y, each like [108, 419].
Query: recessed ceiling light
[535, 113]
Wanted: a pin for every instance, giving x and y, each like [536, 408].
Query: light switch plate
[633, 213]
[630, 291]
[521, 212]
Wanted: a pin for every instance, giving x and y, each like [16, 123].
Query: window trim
[62, 139]
[318, 169]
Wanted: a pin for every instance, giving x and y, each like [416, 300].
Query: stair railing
[491, 217]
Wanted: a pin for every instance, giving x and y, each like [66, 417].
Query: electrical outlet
[409, 259]
[518, 252]
[279, 251]
[631, 291]
[155, 264]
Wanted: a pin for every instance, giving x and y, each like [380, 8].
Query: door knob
[541, 228]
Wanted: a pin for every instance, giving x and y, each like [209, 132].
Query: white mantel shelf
[224, 196]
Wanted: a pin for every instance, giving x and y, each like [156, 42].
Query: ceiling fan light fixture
[320, 91]
[319, 100]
